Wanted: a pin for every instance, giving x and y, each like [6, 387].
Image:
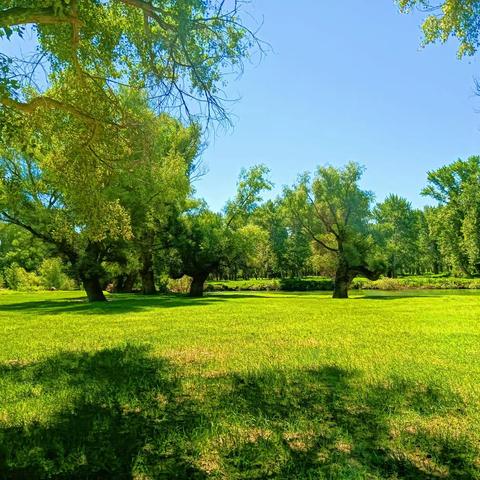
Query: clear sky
[347, 80]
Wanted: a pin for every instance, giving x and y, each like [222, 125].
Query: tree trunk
[342, 280]
[198, 282]
[124, 283]
[93, 289]
[147, 275]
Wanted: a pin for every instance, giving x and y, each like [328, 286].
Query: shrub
[52, 275]
[17, 278]
[180, 285]
[305, 285]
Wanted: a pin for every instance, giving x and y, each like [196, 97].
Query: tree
[333, 210]
[178, 51]
[396, 232]
[457, 18]
[210, 240]
[202, 247]
[429, 251]
[76, 189]
[456, 188]
[19, 247]
[155, 191]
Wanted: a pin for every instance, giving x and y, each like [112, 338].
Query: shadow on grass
[132, 416]
[396, 296]
[116, 304]
[120, 303]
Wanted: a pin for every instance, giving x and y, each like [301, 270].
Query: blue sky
[347, 80]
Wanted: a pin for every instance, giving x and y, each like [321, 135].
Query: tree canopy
[177, 50]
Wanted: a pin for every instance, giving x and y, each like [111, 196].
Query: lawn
[240, 386]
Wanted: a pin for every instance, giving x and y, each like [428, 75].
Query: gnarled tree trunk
[346, 273]
[197, 285]
[93, 289]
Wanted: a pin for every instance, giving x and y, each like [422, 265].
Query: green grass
[240, 386]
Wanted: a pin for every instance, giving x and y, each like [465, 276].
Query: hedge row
[325, 284]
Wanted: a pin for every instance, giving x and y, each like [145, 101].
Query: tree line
[119, 207]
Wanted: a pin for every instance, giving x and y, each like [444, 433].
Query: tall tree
[210, 239]
[155, 190]
[79, 189]
[396, 223]
[456, 188]
[335, 213]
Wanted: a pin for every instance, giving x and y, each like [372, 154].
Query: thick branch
[24, 15]
[49, 103]
[366, 272]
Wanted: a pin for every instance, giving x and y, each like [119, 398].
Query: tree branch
[50, 103]
[24, 15]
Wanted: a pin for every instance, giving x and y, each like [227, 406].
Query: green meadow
[252, 385]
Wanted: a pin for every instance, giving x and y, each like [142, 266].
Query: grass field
[240, 386]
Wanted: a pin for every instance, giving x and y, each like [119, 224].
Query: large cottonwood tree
[335, 212]
[89, 191]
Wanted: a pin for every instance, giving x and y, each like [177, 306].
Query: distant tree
[335, 212]
[253, 252]
[430, 258]
[210, 240]
[396, 228]
[271, 218]
[201, 248]
[456, 188]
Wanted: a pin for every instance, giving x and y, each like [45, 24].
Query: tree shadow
[136, 416]
[116, 304]
[120, 303]
[396, 296]
[321, 423]
[129, 415]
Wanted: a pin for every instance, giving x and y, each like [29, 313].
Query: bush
[52, 275]
[180, 285]
[17, 278]
[305, 285]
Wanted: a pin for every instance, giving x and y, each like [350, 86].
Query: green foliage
[21, 248]
[17, 278]
[280, 385]
[397, 233]
[175, 50]
[52, 275]
[457, 190]
[449, 18]
[333, 210]
[96, 193]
